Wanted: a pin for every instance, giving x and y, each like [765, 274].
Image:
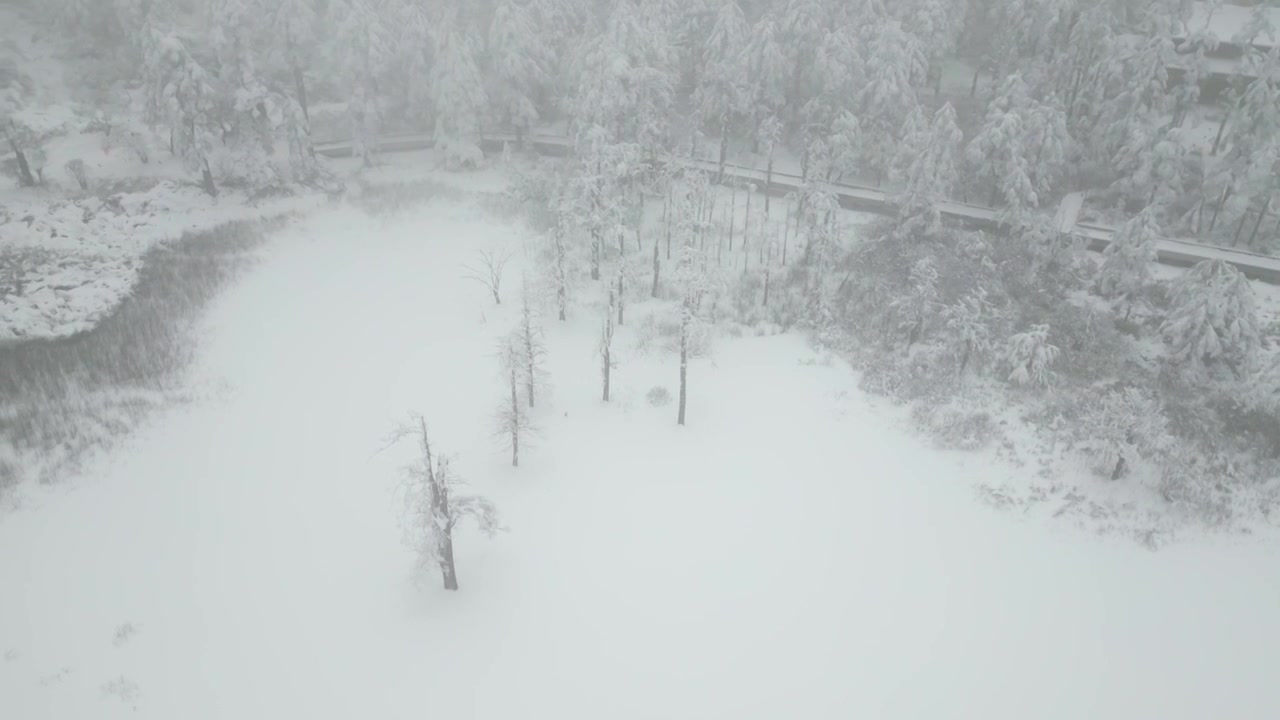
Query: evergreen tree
[295, 25]
[768, 71]
[932, 175]
[720, 96]
[521, 64]
[1128, 264]
[1021, 146]
[935, 24]
[804, 25]
[1031, 357]
[362, 50]
[895, 66]
[1212, 318]
[181, 95]
[457, 94]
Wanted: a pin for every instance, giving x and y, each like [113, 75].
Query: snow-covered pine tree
[720, 95]
[914, 135]
[1212, 318]
[1142, 100]
[935, 23]
[598, 189]
[304, 166]
[804, 24]
[250, 113]
[1082, 68]
[1128, 263]
[768, 70]
[520, 66]
[770, 135]
[1123, 425]
[181, 95]
[894, 67]
[967, 323]
[846, 146]
[457, 95]
[818, 218]
[931, 176]
[998, 153]
[626, 80]
[1030, 357]
[1152, 166]
[919, 305]
[1048, 141]
[295, 26]
[433, 507]
[1192, 51]
[362, 49]
[837, 77]
[1252, 140]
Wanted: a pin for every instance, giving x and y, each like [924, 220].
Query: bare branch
[489, 272]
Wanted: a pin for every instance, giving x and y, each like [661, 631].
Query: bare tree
[513, 422]
[606, 346]
[695, 280]
[489, 272]
[560, 267]
[686, 319]
[657, 269]
[532, 349]
[622, 286]
[433, 507]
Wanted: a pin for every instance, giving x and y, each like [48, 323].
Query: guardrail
[1179, 253]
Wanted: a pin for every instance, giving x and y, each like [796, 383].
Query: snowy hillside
[790, 552]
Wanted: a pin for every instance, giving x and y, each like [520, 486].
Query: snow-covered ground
[791, 553]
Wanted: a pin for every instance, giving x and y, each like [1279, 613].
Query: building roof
[1227, 22]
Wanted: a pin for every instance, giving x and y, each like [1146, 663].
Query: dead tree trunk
[595, 253]
[733, 211]
[25, 178]
[656, 269]
[300, 85]
[724, 145]
[684, 359]
[532, 351]
[440, 509]
[515, 420]
[1222, 126]
[621, 289]
[1226, 194]
[606, 348]
[666, 222]
[1253, 236]
[785, 222]
[768, 182]
[207, 180]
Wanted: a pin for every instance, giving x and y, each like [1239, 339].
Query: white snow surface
[791, 553]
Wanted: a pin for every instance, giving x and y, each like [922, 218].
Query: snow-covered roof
[1226, 22]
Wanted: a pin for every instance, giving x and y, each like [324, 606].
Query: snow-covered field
[791, 553]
